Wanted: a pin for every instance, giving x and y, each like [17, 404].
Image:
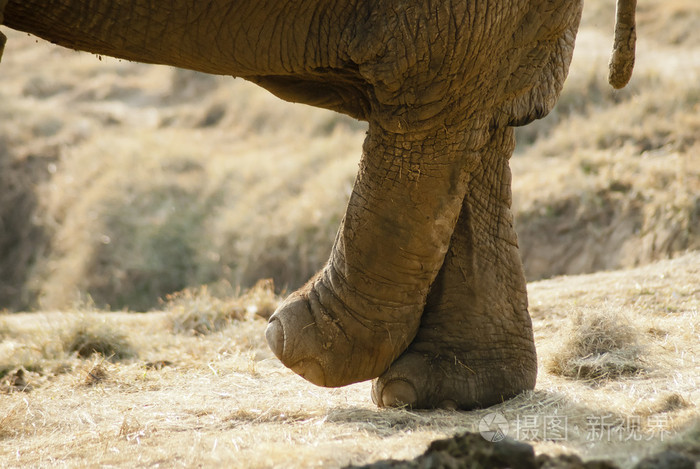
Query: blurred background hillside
[123, 182]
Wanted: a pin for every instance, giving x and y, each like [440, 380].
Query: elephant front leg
[475, 346]
[352, 320]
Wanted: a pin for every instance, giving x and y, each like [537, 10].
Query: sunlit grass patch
[667, 402]
[96, 373]
[600, 345]
[38, 349]
[261, 300]
[198, 311]
[15, 381]
[12, 422]
[99, 338]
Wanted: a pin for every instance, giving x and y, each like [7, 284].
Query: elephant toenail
[311, 371]
[447, 404]
[275, 337]
[398, 393]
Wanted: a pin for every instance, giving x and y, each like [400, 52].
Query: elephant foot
[475, 345]
[469, 351]
[316, 335]
[422, 381]
[449, 380]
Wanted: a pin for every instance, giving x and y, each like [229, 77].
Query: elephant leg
[475, 346]
[354, 318]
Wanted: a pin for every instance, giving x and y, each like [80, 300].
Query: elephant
[424, 291]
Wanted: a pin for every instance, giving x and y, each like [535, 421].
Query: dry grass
[198, 312]
[223, 399]
[95, 373]
[598, 346]
[12, 422]
[87, 340]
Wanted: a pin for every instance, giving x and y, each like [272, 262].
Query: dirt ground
[222, 399]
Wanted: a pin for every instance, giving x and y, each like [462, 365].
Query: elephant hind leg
[475, 346]
[352, 320]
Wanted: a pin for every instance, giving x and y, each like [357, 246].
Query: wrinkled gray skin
[424, 288]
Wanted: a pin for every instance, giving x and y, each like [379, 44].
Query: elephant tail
[622, 60]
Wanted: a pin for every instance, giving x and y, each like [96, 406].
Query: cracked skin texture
[424, 288]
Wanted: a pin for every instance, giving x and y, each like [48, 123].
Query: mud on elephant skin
[424, 288]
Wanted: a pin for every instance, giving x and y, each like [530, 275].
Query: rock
[468, 450]
[570, 461]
